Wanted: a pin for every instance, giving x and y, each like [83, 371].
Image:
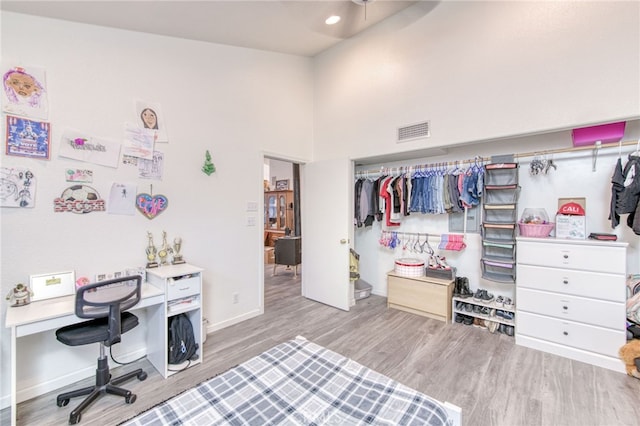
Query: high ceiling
[295, 27]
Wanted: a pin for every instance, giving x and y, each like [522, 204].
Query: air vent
[414, 131]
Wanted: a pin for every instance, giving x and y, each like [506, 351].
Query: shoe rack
[498, 262]
[475, 304]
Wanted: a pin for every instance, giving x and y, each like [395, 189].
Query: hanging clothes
[629, 198]
[617, 185]
[386, 193]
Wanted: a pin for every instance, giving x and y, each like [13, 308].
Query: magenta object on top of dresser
[605, 133]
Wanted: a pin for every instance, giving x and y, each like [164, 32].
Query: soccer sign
[79, 199]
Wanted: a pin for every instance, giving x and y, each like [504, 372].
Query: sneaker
[508, 303]
[500, 313]
[459, 318]
[507, 315]
[476, 309]
[478, 322]
[468, 307]
[467, 320]
[509, 330]
[460, 306]
[492, 326]
[478, 295]
[486, 296]
[500, 300]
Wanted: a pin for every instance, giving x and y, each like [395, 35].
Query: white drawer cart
[571, 298]
[182, 285]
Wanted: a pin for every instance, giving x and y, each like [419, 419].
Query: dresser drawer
[587, 257]
[185, 286]
[581, 336]
[597, 285]
[573, 308]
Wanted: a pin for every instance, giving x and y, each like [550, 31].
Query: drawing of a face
[24, 85]
[149, 118]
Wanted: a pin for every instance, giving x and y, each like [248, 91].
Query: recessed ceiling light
[332, 20]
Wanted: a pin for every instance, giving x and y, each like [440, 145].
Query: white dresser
[570, 298]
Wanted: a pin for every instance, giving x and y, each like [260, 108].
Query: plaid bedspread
[297, 383]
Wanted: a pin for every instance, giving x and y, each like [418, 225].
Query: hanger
[635, 153]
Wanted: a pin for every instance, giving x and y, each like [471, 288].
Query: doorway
[281, 182]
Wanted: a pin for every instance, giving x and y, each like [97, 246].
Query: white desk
[52, 314]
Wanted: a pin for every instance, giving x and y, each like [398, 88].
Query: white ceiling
[294, 27]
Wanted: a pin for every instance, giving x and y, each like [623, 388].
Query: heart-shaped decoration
[151, 205]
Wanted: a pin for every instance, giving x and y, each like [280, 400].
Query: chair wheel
[62, 402]
[74, 419]
[142, 376]
[130, 399]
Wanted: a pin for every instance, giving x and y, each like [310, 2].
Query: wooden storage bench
[426, 296]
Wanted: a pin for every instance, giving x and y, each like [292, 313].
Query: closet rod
[575, 148]
[518, 155]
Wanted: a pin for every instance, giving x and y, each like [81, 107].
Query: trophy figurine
[165, 250]
[151, 252]
[177, 256]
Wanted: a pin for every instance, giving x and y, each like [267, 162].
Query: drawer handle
[566, 256]
[566, 333]
[565, 307]
[565, 281]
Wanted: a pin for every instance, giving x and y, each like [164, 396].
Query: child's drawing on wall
[150, 117]
[17, 187]
[28, 138]
[24, 92]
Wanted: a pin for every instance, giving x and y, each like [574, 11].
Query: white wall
[478, 71]
[482, 72]
[279, 170]
[235, 102]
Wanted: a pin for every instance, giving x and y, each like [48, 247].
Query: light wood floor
[493, 380]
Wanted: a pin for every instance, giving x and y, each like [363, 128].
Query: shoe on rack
[467, 320]
[501, 328]
[460, 306]
[500, 300]
[487, 297]
[464, 288]
[492, 326]
[485, 310]
[476, 309]
[468, 307]
[478, 295]
[509, 330]
[459, 318]
[507, 315]
[508, 303]
[456, 287]
[478, 322]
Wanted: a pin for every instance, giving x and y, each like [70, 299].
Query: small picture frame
[48, 286]
[282, 184]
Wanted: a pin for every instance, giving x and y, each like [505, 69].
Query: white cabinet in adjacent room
[571, 298]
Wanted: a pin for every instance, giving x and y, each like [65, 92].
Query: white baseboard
[220, 325]
[27, 392]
